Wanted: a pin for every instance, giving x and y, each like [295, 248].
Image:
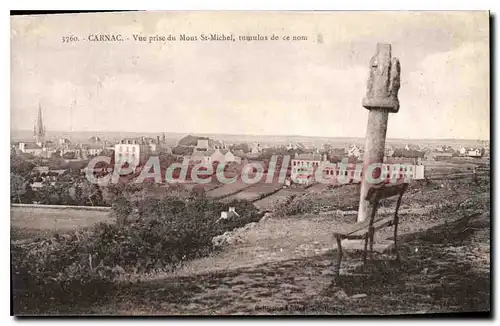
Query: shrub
[163, 233]
[56, 270]
[294, 206]
[149, 234]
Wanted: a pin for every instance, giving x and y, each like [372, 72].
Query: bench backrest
[385, 191]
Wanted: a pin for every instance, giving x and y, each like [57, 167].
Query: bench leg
[372, 232]
[396, 222]
[339, 257]
[366, 248]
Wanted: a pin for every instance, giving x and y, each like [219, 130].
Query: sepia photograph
[216, 163]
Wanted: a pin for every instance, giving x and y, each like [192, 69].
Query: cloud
[447, 96]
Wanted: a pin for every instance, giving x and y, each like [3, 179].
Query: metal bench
[366, 229]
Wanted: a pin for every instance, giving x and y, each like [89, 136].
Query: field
[256, 191]
[206, 187]
[28, 222]
[284, 266]
[227, 189]
[456, 165]
[280, 196]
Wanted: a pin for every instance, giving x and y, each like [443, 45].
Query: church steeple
[39, 129]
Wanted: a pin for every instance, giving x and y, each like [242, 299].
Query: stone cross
[381, 98]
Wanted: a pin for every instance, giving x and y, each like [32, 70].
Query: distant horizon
[233, 134]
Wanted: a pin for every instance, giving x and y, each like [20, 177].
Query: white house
[64, 141]
[229, 157]
[255, 148]
[229, 214]
[204, 157]
[217, 155]
[476, 152]
[303, 166]
[410, 147]
[292, 146]
[31, 148]
[202, 144]
[389, 171]
[93, 149]
[354, 150]
[128, 152]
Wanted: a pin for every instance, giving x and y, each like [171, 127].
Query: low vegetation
[149, 234]
[80, 268]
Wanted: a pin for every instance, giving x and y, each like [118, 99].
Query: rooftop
[308, 157]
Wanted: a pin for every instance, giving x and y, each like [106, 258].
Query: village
[53, 158]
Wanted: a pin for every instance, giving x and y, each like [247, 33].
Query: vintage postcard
[276, 163]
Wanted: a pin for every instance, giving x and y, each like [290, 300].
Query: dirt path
[296, 237]
[448, 273]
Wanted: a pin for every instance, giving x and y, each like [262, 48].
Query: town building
[389, 151]
[239, 154]
[163, 148]
[303, 167]
[354, 151]
[216, 155]
[131, 152]
[255, 148]
[295, 146]
[402, 160]
[203, 145]
[93, 149]
[72, 151]
[474, 152]
[32, 148]
[411, 147]
[95, 140]
[64, 142]
[228, 215]
[201, 157]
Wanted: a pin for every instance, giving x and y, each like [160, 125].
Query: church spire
[39, 129]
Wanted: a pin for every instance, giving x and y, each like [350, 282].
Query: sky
[276, 87]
